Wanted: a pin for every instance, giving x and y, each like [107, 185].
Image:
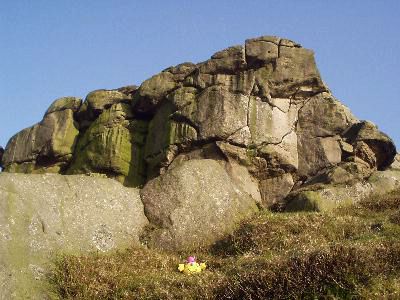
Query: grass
[350, 253]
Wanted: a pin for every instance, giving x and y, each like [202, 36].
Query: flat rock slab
[41, 215]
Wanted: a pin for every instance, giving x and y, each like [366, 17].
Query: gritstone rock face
[209, 144]
[265, 100]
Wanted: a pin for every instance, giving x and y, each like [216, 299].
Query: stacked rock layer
[261, 110]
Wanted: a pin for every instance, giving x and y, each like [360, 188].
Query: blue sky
[50, 49]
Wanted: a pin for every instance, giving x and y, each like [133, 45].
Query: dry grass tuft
[390, 201]
[132, 274]
[340, 271]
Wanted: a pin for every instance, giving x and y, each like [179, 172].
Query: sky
[50, 49]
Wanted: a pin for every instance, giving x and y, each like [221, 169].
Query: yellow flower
[191, 268]
[187, 271]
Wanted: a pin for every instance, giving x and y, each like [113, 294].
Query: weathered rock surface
[41, 215]
[97, 101]
[253, 126]
[113, 144]
[381, 150]
[263, 106]
[275, 189]
[325, 197]
[63, 103]
[194, 204]
[322, 122]
[45, 147]
[266, 98]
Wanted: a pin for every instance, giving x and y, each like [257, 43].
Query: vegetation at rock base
[349, 253]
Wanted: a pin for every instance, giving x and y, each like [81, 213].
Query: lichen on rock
[113, 144]
[43, 215]
[261, 110]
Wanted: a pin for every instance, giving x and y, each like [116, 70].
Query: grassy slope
[349, 253]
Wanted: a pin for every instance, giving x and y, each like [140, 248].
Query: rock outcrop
[47, 146]
[42, 215]
[208, 144]
[325, 197]
[266, 97]
[259, 113]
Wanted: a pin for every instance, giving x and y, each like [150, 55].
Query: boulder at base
[42, 215]
[193, 204]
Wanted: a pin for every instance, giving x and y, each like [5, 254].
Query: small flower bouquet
[191, 266]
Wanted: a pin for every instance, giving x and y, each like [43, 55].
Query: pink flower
[191, 259]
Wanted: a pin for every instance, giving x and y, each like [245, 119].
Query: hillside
[351, 252]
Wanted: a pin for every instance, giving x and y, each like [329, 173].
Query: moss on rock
[113, 145]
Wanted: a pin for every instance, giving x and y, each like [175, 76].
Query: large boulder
[366, 135]
[262, 50]
[97, 101]
[274, 190]
[152, 91]
[45, 147]
[63, 103]
[193, 204]
[322, 120]
[227, 61]
[44, 215]
[296, 73]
